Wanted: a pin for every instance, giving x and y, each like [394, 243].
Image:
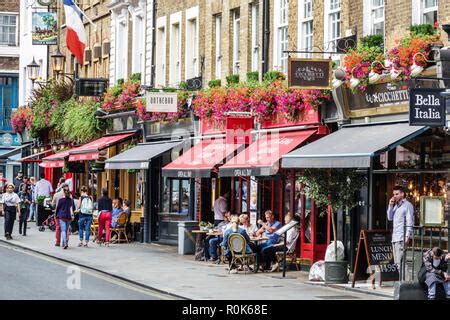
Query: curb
[334, 286]
[96, 270]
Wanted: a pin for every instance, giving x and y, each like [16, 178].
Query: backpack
[87, 206]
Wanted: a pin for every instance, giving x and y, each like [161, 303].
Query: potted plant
[334, 188]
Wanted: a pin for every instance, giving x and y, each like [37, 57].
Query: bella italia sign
[161, 101]
[426, 107]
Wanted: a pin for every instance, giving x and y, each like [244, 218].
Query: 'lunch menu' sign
[309, 73]
[426, 107]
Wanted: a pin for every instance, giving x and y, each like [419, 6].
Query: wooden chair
[291, 257]
[237, 245]
[120, 229]
[94, 229]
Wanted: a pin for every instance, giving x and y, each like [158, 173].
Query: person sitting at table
[212, 241]
[251, 229]
[117, 209]
[269, 253]
[267, 230]
[235, 228]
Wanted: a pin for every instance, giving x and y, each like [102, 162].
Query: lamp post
[58, 60]
[33, 71]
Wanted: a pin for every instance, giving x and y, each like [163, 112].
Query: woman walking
[26, 200]
[104, 206]
[10, 201]
[86, 208]
[64, 210]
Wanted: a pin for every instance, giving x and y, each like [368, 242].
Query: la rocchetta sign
[426, 107]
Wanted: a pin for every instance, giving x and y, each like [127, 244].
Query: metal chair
[291, 257]
[121, 228]
[237, 245]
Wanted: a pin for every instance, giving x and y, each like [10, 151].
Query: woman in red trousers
[104, 206]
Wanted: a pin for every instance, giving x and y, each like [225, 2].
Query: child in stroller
[49, 222]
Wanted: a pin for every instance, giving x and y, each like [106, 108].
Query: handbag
[422, 274]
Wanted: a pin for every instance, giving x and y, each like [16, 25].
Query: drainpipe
[152, 72]
[266, 35]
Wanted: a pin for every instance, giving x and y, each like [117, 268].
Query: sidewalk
[160, 267]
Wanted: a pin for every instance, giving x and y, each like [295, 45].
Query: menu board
[375, 253]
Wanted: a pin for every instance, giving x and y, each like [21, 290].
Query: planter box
[336, 272]
[311, 117]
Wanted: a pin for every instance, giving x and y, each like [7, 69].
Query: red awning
[200, 160]
[55, 160]
[34, 157]
[90, 151]
[262, 157]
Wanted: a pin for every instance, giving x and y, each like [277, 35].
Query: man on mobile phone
[398, 208]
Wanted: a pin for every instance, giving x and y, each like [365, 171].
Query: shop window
[176, 196]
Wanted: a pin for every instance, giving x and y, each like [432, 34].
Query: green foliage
[374, 40]
[422, 29]
[232, 79]
[120, 81]
[169, 89]
[44, 102]
[253, 76]
[182, 85]
[215, 83]
[80, 123]
[135, 77]
[273, 75]
[340, 183]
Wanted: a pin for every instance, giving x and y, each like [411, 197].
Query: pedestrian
[220, 208]
[86, 209]
[18, 181]
[3, 181]
[43, 189]
[10, 201]
[104, 206]
[56, 197]
[397, 210]
[61, 181]
[25, 180]
[435, 263]
[26, 200]
[64, 212]
[33, 203]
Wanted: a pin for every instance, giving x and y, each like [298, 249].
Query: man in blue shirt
[398, 209]
[269, 227]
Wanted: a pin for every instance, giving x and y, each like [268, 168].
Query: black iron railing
[423, 239]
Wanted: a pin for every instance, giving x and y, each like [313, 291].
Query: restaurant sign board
[161, 101]
[239, 129]
[309, 73]
[90, 87]
[426, 107]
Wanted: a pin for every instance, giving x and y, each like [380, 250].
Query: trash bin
[186, 241]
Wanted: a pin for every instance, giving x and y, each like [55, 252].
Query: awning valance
[55, 160]
[90, 151]
[139, 156]
[262, 157]
[201, 159]
[34, 157]
[352, 146]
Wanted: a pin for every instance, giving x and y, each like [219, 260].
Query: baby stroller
[49, 222]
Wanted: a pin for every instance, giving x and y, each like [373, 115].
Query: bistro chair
[291, 257]
[121, 228]
[237, 245]
[94, 229]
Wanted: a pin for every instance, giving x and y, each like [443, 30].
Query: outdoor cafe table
[200, 243]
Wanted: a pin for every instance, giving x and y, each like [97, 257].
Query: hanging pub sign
[161, 101]
[44, 28]
[426, 107]
[239, 130]
[309, 73]
[90, 87]
[375, 254]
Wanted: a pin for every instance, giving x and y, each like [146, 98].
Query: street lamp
[33, 71]
[58, 61]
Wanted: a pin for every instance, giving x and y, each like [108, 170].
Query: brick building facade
[292, 25]
[96, 59]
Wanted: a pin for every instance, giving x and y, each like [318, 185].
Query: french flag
[76, 34]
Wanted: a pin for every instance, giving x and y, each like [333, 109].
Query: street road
[29, 276]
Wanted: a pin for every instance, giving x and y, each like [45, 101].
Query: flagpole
[87, 18]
